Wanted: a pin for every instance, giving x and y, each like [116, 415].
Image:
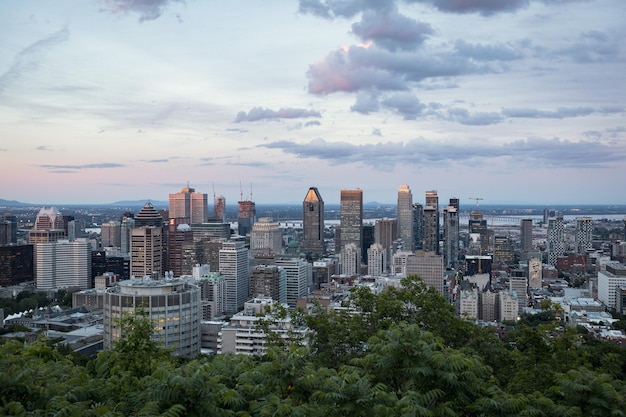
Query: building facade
[351, 218]
[405, 217]
[189, 204]
[234, 265]
[64, 264]
[313, 222]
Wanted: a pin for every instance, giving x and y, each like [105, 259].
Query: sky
[511, 101]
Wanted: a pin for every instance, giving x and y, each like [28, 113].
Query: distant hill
[13, 203]
[140, 203]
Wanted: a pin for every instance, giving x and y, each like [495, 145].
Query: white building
[212, 295]
[399, 263]
[469, 304]
[609, 281]
[299, 273]
[265, 236]
[376, 260]
[509, 306]
[350, 259]
[64, 264]
[173, 306]
[519, 285]
[235, 267]
[405, 217]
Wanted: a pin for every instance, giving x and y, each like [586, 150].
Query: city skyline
[112, 100]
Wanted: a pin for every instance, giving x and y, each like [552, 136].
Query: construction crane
[477, 200]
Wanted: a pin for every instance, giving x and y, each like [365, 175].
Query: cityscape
[313, 208]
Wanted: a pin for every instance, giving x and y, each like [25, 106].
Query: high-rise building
[350, 260]
[190, 204]
[418, 226]
[478, 225]
[385, 233]
[429, 266]
[111, 234]
[431, 222]
[64, 264]
[584, 234]
[146, 251]
[451, 236]
[235, 267]
[405, 217]
[556, 239]
[219, 208]
[351, 218]
[246, 217]
[8, 229]
[313, 222]
[509, 306]
[526, 235]
[609, 281]
[298, 274]
[126, 226]
[179, 233]
[16, 264]
[266, 237]
[212, 295]
[269, 281]
[503, 250]
[49, 227]
[535, 273]
[368, 239]
[376, 261]
[519, 286]
[173, 306]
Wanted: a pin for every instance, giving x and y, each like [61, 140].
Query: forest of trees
[407, 354]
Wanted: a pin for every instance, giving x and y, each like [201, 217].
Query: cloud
[330, 9]
[71, 168]
[259, 113]
[560, 113]
[146, 9]
[404, 103]
[550, 153]
[392, 31]
[495, 52]
[592, 46]
[313, 123]
[155, 161]
[484, 7]
[377, 132]
[42, 148]
[464, 117]
[28, 59]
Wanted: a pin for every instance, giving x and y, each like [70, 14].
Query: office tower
[455, 202]
[269, 281]
[266, 237]
[489, 306]
[418, 226]
[368, 240]
[173, 306]
[190, 204]
[556, 239]
[431, 222]
[477, 264]
[246, 217]
[519, 286]
[212, 295]
[469, 304]
[451, 236]
[219, 208]
[234, 265]
[146, 251]
[8, 230]
[478, 225]
[609, 281]
[398, 263]
[298, 274]
[179, 233]
[351, 218]
[313, 222]
[526, 235]
[509, 306]
[385, 233]
[429, 266]
[148, 216]
[350, 260]
[535, 273]
[64, 264]
[111, 234]
[213, 229]
[49, 227]
[584, 234]
[405, 217]
[126, 226]
[376, 261]
[16, 264]
[503, 250]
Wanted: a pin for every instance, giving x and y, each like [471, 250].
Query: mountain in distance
[13, 203]
[139, 203]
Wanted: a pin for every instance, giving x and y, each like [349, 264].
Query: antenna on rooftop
[250, 191]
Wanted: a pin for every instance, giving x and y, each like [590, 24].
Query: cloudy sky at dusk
[514, 101]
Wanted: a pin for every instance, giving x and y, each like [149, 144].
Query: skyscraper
[269, 281]
[584, 234]
[428, 266]
[405, 217]
[297, 273]
[246, 217]
[146, 251]
[190, 204]
[431, 222]
[266, 236]
[526, 235]
[179, 233]
[234, 265]
[219, 208]
[376, 261]
[556, 239]
[64, 264]
[385, 233]
[111, 234]
[418, 226]
[351, 218]
[313, 222]
[451, 236]
[478, 225]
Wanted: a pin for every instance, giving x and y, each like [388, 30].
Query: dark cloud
[28, 60]
[260, 113]
[404, 103]
[550, 153]
[85, 166]
[156, 161]
[484, 7]
[464, 117]
[559, 113]
[313, 123]
[366, 102]
[42, 148]
[392, 31]
[330, 9]
[146, 9]
[233, 129]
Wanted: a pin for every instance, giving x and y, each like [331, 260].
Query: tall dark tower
[431, 222]
[351, 214]
[526, 235]
[418, 226]
[313, 222]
